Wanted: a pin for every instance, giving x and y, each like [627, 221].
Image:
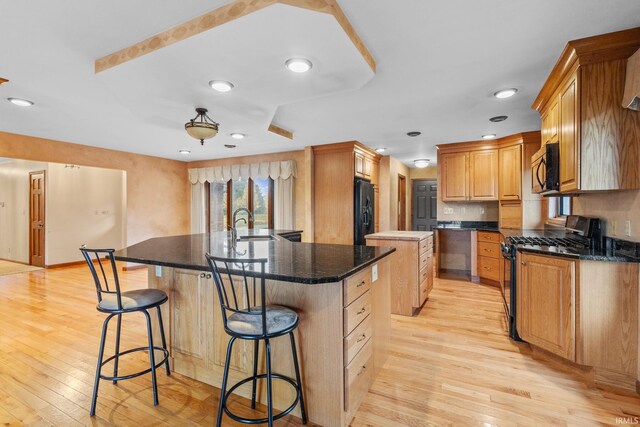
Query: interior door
[36, 218]
[425, 205]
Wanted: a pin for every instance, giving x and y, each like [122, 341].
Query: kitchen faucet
[234, 231]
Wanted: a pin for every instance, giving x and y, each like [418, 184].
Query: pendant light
[201, 126]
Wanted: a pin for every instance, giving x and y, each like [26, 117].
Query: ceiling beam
[234, 10]
[279, 131]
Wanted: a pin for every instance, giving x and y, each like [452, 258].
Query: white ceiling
[438, 64]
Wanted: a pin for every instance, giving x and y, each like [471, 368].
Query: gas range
[562, 242]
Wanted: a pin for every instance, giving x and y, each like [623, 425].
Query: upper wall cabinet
[580, 107]
[483, 175]
[469, 175]
[510, 173]
[455, 182]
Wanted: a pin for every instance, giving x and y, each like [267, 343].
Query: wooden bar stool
[115, 303]
[241, 290]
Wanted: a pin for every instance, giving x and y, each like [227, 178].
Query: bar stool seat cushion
[278, 319]
[132, 300]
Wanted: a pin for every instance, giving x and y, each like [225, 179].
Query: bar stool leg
[152, 359]
[256, 343]
[298, 380]
[269, 393]
[164, 341]
[92, 412]
[117, 354]
[225, 376]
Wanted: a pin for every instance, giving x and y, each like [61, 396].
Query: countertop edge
[580, 257]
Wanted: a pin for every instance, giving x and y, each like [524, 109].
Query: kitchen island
[341, 292]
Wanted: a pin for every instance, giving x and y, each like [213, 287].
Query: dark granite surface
[468, 225]
[309, 263]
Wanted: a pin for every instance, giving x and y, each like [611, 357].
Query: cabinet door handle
[360, 284]
[364, 368]
[361, 338]
[523, 263]
[362, 310]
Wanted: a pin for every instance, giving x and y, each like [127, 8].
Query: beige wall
[157, 189]
[390, 167]
[302, 186]
[618, 206]
[14, 208]
[430, 172]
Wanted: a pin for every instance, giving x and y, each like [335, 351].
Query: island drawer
[357, 339]
[424, 274]
[356, 312]
[491, 250]
[426, 244]
[357, 377]
[356, 285]
[424, 291]
[424, 260]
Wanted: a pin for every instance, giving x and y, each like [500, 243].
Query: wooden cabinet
[483, 175]
[469, 175]
[489, 257]
[454, 177]
[334, 169]
[579, 106]
[568, 100]
[412, 279]
[510, 173]
[546, 301]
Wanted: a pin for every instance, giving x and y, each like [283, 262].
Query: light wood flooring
[453, 364]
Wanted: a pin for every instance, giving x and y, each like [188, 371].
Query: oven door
[506, 281]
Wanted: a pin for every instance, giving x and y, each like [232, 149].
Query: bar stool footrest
[136, 374]
[242, 420]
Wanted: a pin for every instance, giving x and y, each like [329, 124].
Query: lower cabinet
[546, 303]
[489, 257]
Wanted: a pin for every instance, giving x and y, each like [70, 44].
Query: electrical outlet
[374, 273]
[614, 226]
[448, 210]
[462, 210]
[481, 211]
[627, 228]
[158, 271]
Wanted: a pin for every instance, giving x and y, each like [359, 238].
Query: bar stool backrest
[241, 287]
[97, 256]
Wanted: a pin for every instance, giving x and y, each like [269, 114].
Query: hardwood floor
[453, 364]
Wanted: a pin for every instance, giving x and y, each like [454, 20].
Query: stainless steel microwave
[545, 170]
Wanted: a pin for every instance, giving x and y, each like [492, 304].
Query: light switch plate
[374, 273]
[627, 228]
[158, 271]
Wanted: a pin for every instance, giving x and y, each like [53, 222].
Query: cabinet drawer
[357, 285]
[356, 312]
[424, 273]
[489, 268]
[426, 244]
[491, 250]
[357, 339]
[424, 291]
[424, 260]
[357, 377]
[487, 236]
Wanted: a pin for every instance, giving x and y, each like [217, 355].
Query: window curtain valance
[275, 170]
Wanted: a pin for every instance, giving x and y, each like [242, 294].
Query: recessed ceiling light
[229, 145]
[489, 136]
[298, 65]
[497, 119]
[381, 150]
[421, 163]
[236, 135]
[221, 85]
[20, 102]
[184, 151]
[414, 133]
[505, 93]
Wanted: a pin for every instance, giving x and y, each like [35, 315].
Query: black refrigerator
[363, 211]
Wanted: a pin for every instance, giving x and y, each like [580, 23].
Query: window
[559, 208]
[254, 194]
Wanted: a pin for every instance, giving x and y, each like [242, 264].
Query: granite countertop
[614, 250]
[468, 225]
[399, 235]
[309, 263]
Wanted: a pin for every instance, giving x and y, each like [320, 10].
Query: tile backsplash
[615, 208]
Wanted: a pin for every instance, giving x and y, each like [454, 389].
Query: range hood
[631, 98]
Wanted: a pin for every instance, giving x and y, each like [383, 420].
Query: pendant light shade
[201, 126]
